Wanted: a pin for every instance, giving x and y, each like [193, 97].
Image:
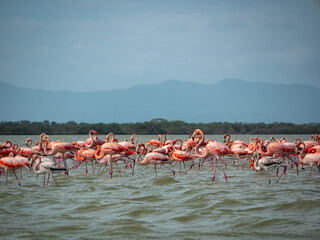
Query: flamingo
[214, 148]
[94, 141]
[181, 156]
[266, 163]
[85, 154]
[314, 149]
[155, 159]
[109, 159]
[273, 148]
[238, 147]
[308, 158]
[136, 139]
[308, 144]
[154, 142]
[128, 145]
[109, 148]
[45, 167]
[276, 149]
[27, 151]
[10, 163]
[7, 144]
[4, 152]
[59, 147]
[230, 141]
[179, 147]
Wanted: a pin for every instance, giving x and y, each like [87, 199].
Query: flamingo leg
[65, 164]
[92, 167]
[48, 179]
[155, 171]
[20, 173]
[224, 163]
[104, 166]
[294, 163]
[133, 165]
[184, 164]
[310, 170]
[110, 167]
[86, 167]
[44, 179]
[100, 168]
[54, 180]
[213, 163]
[173, 172]
[214, 170]
[285, 167]
[179, 167]
[16, 177]
[118, 168]
[225, 176]
[192, 164]
[240, 159]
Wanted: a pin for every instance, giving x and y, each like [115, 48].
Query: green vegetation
[155, 126]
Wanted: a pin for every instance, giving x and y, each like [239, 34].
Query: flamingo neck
[96, 153]
[261, 148]
[302, 153]
[204, 154]
[45, 149]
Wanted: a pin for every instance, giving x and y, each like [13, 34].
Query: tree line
[154, 126]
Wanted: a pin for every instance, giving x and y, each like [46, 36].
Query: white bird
[267, 163]
[45, 166]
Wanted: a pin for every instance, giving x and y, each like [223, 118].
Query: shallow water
[188, 206]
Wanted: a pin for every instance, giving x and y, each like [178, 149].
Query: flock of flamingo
[45, 157]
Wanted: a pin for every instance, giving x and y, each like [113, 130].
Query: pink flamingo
[154, 142]
[276, 149]
[109, 148]
[179, 147]
[7, 144]
[291, 146]
[10, 163]
[94, 141]
[4, 152]
[308, 158]
[308, 144]
[27, 151]
[238, 148]
[181, 156]
[85, 154]
[229, 142]
[214, 148]
[314, 149]
[273, 148]
[109, 159]
[59, 147]
[155, 159]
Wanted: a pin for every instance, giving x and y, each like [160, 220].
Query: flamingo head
[196, 133]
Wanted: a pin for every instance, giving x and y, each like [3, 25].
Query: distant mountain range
[230, 100]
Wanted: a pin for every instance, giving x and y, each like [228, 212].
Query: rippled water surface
[188, 206]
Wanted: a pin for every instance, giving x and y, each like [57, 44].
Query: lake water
[188, 206]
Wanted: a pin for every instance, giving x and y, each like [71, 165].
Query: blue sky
[101, 45]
